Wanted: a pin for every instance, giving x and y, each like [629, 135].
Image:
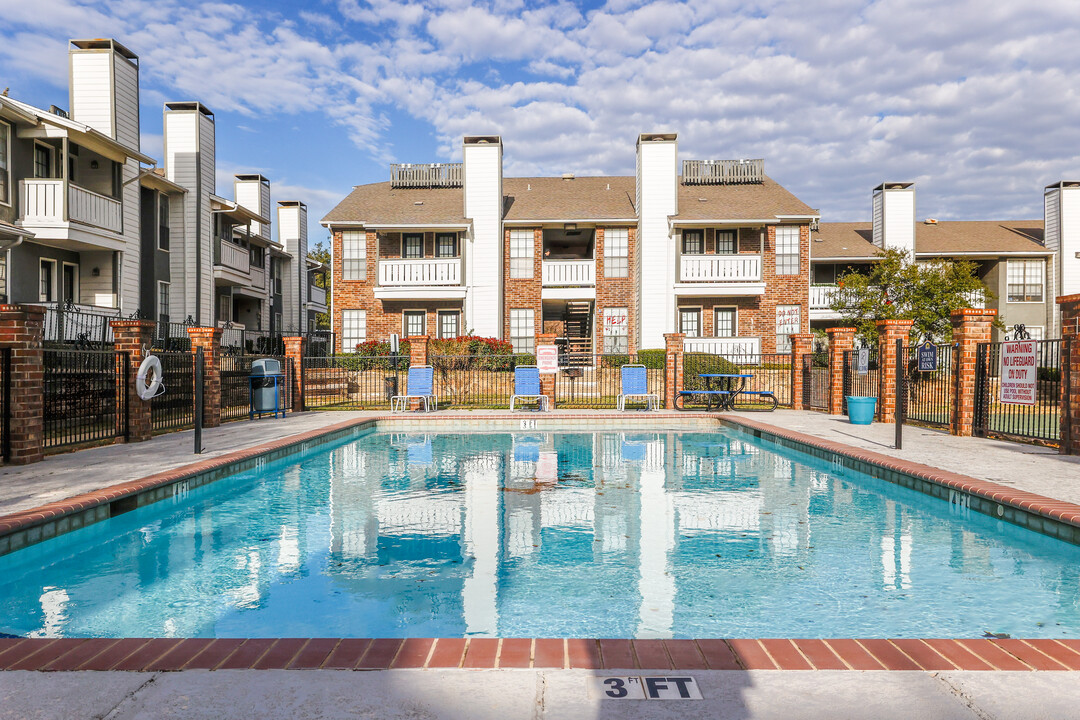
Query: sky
[975, 101]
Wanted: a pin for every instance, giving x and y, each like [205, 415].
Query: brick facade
[970, 327]
[841, 340]
[294, 351]
[673, 368]
[134, 337]
[802, 345]
[21, 330]
[1070, 364]
[889, 331]
[209, 339]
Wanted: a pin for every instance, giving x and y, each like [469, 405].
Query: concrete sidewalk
[543, 695]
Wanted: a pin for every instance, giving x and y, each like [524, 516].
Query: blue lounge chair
[419, 385]
[527, 386]
[635, 384]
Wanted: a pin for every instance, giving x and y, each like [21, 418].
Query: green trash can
[860, 410]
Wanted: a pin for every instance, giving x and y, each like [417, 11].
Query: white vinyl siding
[353, 329]
[521, 254]
[616, 331]
[5, 163]
[353, 255]
[522, 330]
[787, 250]
[616, 253]
[693, 242]
[1025, 280]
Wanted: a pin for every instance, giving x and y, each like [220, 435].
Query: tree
[897, 288]
[321, 253]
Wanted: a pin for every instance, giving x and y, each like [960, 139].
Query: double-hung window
[354, 255]
[163, 303]
[446, 245]
[412, 246]
[353, 329]
[521, 254]
[725, 325]
[616, 253]
[616, 331]
[163, 222]
[449, 324]
[414, 322]
[522, 331]
[725, 242]
[690, 321]
[693, 242]
[1025, 280]
[5, 163]
[43, 155]
[787, 250]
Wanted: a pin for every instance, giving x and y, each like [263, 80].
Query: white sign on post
[863, 364]
[547, 359]
[1019, 371]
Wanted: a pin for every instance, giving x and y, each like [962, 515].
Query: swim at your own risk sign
[1019, 372]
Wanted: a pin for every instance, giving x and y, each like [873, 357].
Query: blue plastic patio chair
[419, 385]
[527, 386]
[635, 384]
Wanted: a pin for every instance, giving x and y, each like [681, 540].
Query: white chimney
[657, 199]
[189, 146]
[894, 216]
[253, 192]
[482, 157]
[292, 234]
[1061, 218]
[104, 89]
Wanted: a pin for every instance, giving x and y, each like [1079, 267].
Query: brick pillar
[418, 355]
[888, 333]
[134, 337]
[802, 346]
[1070, 374]
[673, 368]
[547, 382]
[841, 340]
[294, 351]
[970, 327]
[209, 339]
[21, 330]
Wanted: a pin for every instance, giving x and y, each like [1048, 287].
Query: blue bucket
[860, 410]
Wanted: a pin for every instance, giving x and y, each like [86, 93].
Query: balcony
[258, 277]
[317, 295]
[426, 175]
[731, 347]
[723, 172]
[420, 278]
[232, 265]
[569, 273]
[710, 275]
[43, 202]
[821, 296]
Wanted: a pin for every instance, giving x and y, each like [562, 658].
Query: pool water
[608, 534]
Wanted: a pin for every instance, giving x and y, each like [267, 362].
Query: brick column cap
[416, 338]
[839, 330]
[121, 324]
[546, 336]
[802, 336]
[674, 336]
[976, 312]
[294, 338]
[899, 323]
[1063, 299]
[208, 331]
[27, 309]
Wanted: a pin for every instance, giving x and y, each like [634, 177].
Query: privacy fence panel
[84, 398]
[595, 381]
[862, 384]
[352, 382]
[770, 372]
[928, 394]
[1040, 422]
[175, 407]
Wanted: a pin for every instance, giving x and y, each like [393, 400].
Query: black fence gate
[862, 382]
[84, 396]
[1039, 422]
[816, 378]
[927, 393]
[175, 407]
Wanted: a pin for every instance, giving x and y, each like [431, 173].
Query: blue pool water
[611, 534]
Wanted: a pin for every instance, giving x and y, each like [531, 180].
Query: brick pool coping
[172, 654]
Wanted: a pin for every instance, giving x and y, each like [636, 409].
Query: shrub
[652, 359]
[1049, 374]
[694, 364]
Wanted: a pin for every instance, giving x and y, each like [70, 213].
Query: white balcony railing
[725, 346]
[568, 273]
[821, 296]
[720, 268]
[258, 277]
[437, 271]
[42, 202]
[234, 257]
[316, 295]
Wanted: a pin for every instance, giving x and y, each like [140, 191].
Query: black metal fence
[172, 337]
[816, 378]
[174, 408]
[5, 404]
[318, 343]
[476, 381]
[596, 381]
[84, 396]
[1040, 421]
[235, 375]
[927, 394]
[862, 384]
[78, 326]
[241, 341]
[771, 372]
[352, 382]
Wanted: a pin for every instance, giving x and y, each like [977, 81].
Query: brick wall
[524, 293]
[616, 292]
[1070, 363]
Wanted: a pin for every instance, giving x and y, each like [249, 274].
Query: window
[693, 242]
[353, 329]
[1035, 331]
[449, 324]
[46, 286]
[225, 307]
[522, 330]
[616, 331]
[521, 254]
[616, 253]
[787, 250]
[788, 322]
[446, 245]
[163, 222]
[1025, 279]
[725, 242]
[257, 256]
[278, 322]
[69, 283]
[690, 321]
[5, 164]
[353, 255]
[42, 161]
[414, 322]
[163, 302]
[726, 322]
[412, 246]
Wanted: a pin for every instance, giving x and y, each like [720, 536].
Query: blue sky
[974, 101]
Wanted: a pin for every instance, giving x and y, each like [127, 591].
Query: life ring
[154, 387]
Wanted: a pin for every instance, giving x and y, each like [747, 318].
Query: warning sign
[1019, 372]
[547, 359]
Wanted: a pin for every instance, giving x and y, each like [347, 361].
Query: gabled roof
[752, 201]
[81, 133]
[946, 237]
[842, 240]
[580, 198]
[379, 204]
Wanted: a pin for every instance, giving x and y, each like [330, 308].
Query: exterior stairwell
[577, 327]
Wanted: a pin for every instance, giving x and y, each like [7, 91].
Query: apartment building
[1020, 261]
[88, 221]
[718, 251]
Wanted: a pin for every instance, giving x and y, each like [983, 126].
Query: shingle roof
[583, 198]
[762, 201]
[853, 240]
[379, 204]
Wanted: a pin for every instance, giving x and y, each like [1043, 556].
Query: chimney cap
[482, 140]
[568, 176]
[657, 137]
[252, 177]
[188, 106]
[292, 203]
[104, 44]
[894, 186]
[1064, 184]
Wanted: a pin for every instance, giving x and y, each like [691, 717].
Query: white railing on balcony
[234, 257]
[725, 346]
[567, 273]
[426, 175]
[258, 276]
[316, 295]
[437, 271]
[723, 172]
[42, 201]
[89, 207]
[821, 296]
[720, 268]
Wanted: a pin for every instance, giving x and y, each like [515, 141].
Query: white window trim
[54, 279]
[610, 256]
[735, 322]
[701, 319]
[344, 337]
[1042, 283]
[531, 257]
[361, 241]
[797, 254]
[10, 200]
[65, 264]
[510, 318]
[52, 160]
[405, 324]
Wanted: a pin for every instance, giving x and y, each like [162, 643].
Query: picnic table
[729, 386]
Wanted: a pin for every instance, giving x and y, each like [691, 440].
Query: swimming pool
[545, 534]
